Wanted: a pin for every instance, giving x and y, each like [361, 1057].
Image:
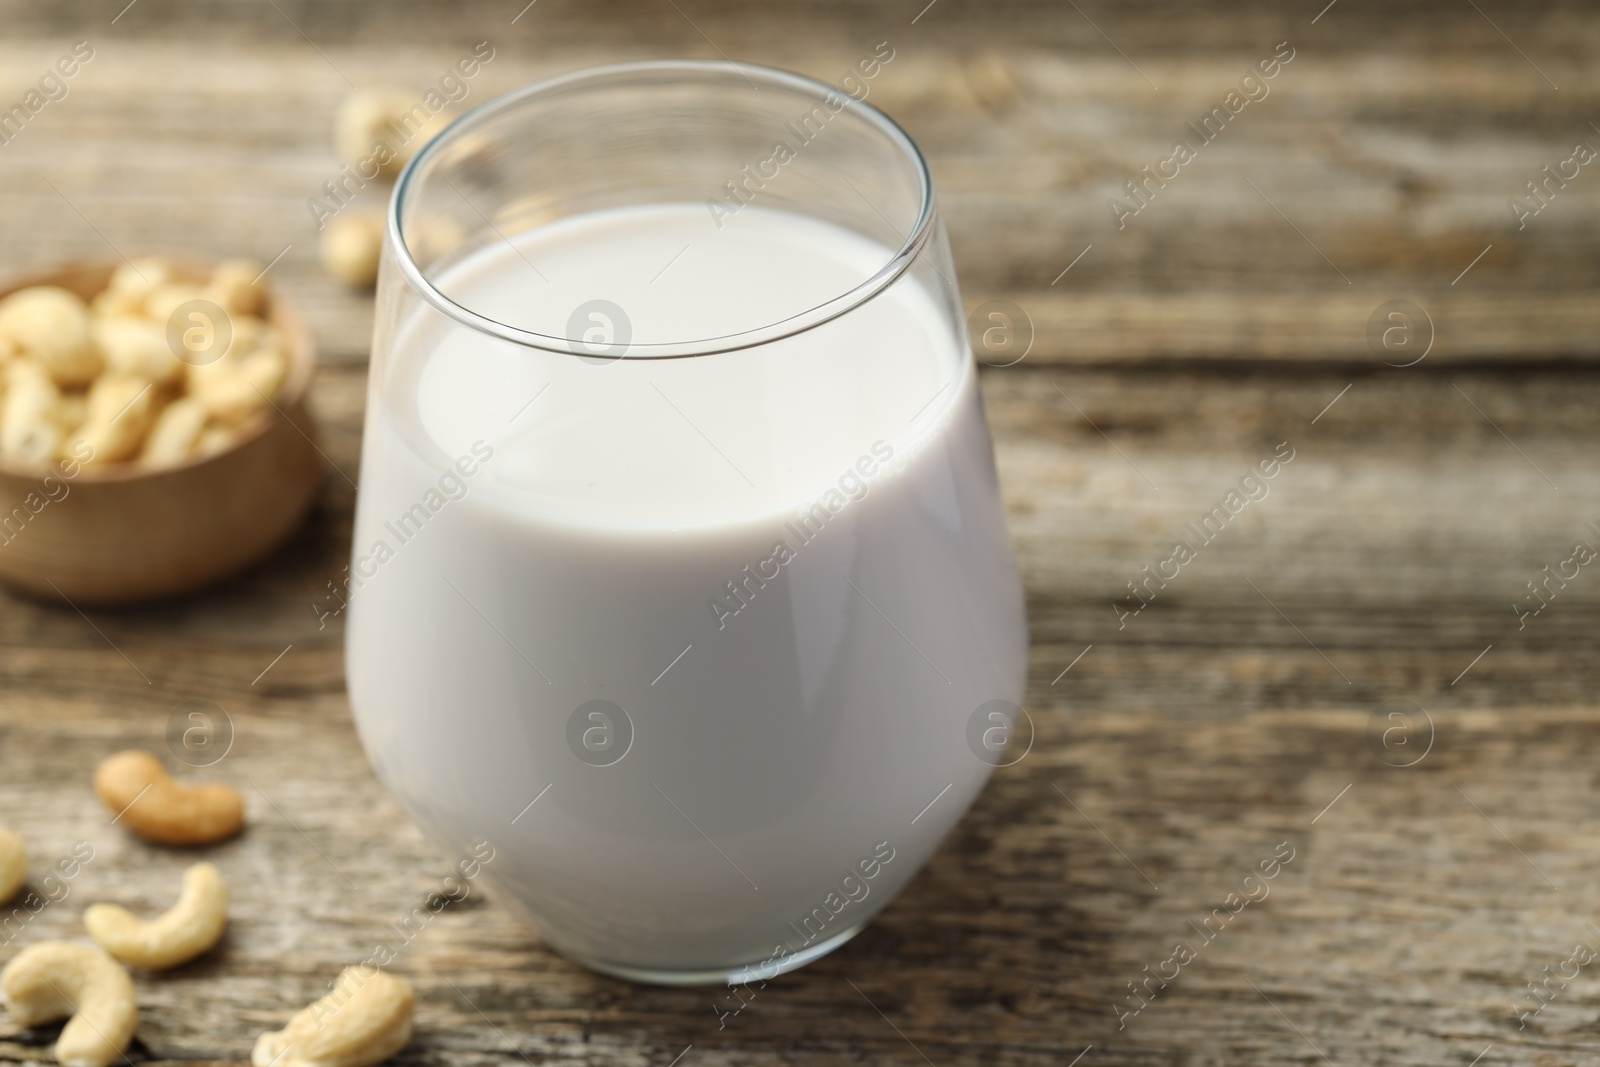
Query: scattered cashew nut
[54, 979]
[13, 864]
[383, 126]
[364, 1021]
[352, 245]
[136, 788]
[188, 928]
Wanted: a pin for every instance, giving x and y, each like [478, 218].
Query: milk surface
[787, 566]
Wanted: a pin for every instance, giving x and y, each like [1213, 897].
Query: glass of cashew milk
[680, 571]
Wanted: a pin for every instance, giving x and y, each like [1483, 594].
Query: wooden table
[1244, 708]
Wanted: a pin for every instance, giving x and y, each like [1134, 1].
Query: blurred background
[1370, 667]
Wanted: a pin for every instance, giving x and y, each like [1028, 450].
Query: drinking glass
[681, 587]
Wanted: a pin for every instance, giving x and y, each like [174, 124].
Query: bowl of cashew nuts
[154, 436]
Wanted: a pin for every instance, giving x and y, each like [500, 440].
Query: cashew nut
[176, 433]
[215, 439]
[249, 334]
[102, 380]
[120, 410]
[134, 345]
[132, 282]
[191, 926]
[137, 789]
[233, 388]
[29, 433]
[233, 287]
[365, 1020]
[141, 275]
[361, 124]
[352, 245]
[168, 297]
[264, 369]
[384, 126]
[52, 326]
[70, 411]
[54, 979]
[13, 864]
[118, 302]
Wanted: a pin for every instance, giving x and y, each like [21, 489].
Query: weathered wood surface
[1177, 752]
[1197, 738]
[1392, 140]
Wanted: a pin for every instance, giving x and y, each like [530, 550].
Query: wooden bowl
[123, 533]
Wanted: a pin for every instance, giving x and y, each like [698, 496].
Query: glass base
[754, 972]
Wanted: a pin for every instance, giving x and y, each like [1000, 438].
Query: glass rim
[898, 263]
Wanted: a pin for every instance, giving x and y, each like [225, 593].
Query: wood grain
[1382, 159]
[1194, 740]
[1236, 712]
